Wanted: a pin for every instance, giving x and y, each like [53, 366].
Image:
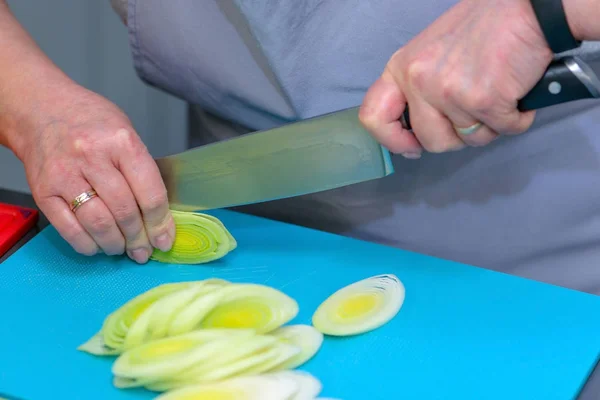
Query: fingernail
[139, 255]
[412, 156]
[163, 242]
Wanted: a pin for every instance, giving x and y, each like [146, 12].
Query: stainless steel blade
[309, 156]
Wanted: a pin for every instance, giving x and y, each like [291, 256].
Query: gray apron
[527, 205]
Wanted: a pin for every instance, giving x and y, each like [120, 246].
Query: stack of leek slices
[214, 339]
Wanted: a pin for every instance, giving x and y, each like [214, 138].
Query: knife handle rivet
[554, 87]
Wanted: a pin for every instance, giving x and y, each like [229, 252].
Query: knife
[313, 155]
[319, 153]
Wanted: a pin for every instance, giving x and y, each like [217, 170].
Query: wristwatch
[553, 21]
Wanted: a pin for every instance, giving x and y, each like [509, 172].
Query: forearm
[29, 81]
[583, 17]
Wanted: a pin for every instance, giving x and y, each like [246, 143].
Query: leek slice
[279, 355]
[306, 337]
[255, 345]
[247, 357]
[155, 322]
[309, 387]
[111, 337]
[190, 317]
[360, 307]
[254, 363]
[128, 326]
[242, 388]
[249, 365]
[254, 306]
[164, 359]
[199, 238]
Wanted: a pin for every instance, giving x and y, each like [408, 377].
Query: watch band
[553, 21]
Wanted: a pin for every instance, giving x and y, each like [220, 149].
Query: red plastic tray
[15, 222]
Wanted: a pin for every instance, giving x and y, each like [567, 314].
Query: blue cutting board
[463, 332]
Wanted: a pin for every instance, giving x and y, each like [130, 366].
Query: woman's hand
[80, 141]
[471, 65]
[72, 141]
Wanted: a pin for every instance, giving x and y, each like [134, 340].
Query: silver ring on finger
[469, 130]
[82, 199]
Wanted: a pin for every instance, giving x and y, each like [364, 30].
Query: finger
[114, 190]
[433, 130]
[60, 216]
[380, 113]
[96, 218]
[145, 181]
[512, 122]
[460, 119]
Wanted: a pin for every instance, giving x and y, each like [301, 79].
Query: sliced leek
[256, 387]
[306, 337]
[214, 339]
[251, 306]
[231, 361]
[171, 310]
[189, 317]
[203, 356]
[199, 238]
[255, 364]
[110, 339]
[166, 360]
[360, 307]
[309, 387]
[140, 319]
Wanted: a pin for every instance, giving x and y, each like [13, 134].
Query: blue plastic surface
[463, 332]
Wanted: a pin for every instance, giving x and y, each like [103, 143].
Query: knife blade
[566, 79]
[309, 156]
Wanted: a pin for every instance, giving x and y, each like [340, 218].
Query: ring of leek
[127, 327]
[361, 306]
[305, 337]
[199, 238]
[288, 386]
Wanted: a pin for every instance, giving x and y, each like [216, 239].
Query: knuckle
[83, 146]
[125, 138]
[420, 69]
[155, 204]
[450, 90]
[125, 215]
[367, 118]
[100, 224]
[479, 101]
[130, 142]
[416, 73]
[397, 58]
[90, 151]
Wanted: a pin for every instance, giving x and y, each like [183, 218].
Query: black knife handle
[567, 79]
